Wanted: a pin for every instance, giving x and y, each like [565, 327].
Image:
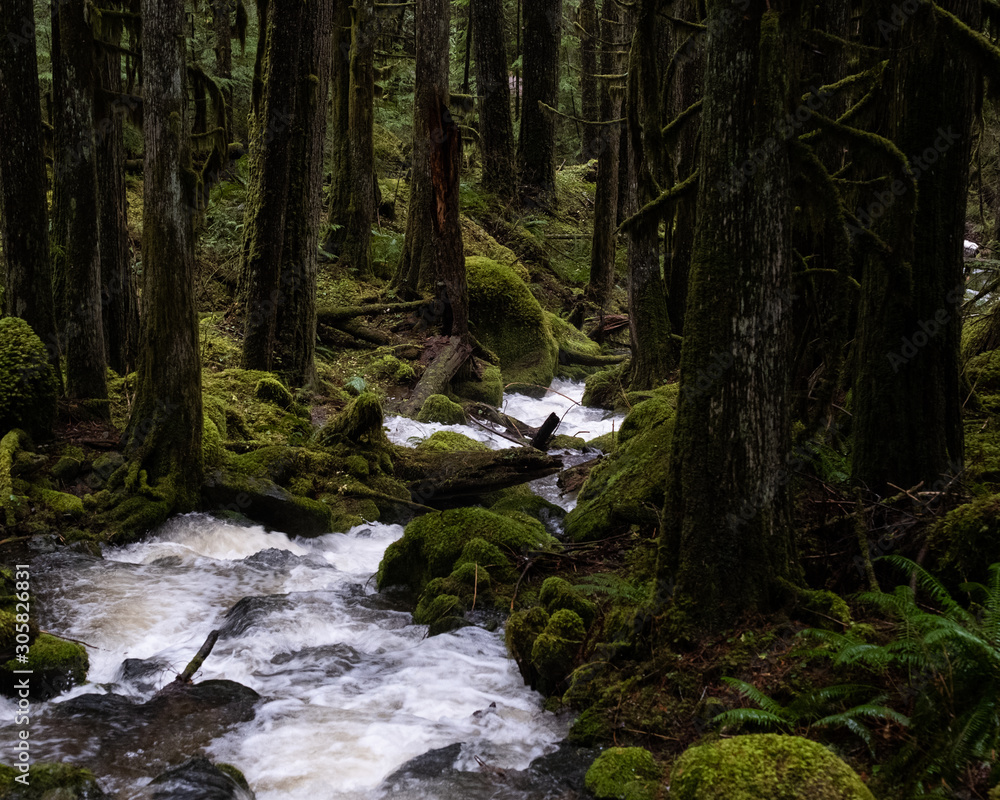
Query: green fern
[612, 586]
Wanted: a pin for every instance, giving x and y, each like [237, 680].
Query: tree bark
[76, 227]
[496, 127]
[296, 320]
[164, 432]
[589, 99]
[223, 39]
[536, 142]
[24, 227]
[352, 196]
[433, 258]
[726, 536]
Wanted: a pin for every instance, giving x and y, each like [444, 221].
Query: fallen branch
[198, 660]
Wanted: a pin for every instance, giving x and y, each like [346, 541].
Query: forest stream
[355, 700]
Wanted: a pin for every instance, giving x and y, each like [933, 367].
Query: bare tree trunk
[24, 227]
[164, 432]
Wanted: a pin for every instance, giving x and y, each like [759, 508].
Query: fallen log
[438, 374]
[585, 360]
[366, 333]
[443, 480]
[333, 316]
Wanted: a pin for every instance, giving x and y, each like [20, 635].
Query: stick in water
[198, 660]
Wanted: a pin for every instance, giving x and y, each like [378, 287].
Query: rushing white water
[351, 688]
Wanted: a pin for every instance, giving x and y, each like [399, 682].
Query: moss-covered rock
[438, 408]
[28, 384]
[70, 464]
[572, 341]
[565, 442]
[965, 539]
[271, 390]
[390, 368]
[608, 388]
[557, 593]
[624, 772]
[56, 665]
[627, 487]
[433, 543]
[488, 389]
[527, 502]
[47, 781]
[509, 321]
[60, 503]
[486, 556]
[359, 423]
[523, 629]
[450, 442]
[764, 765]
[555, 651]
[12, 501]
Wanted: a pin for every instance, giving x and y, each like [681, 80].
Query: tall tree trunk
[296, 345]
[164, 432]
[590, 101]
[726, 533]
[24, 227]
[271, 148]
[121, 311]
[907, 400]
[602, 253]
[433, 258]
[536, 141]
[496, 128]
[654, 355]
[77, 233]
[223, 39]
[352, 196]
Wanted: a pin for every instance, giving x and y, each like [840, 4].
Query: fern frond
[738, 717]
[755, 695]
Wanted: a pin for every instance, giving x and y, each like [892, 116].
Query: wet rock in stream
[196, 779]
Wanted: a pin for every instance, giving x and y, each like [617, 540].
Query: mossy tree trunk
[536, 140]
[296, 322]
[906, 400]
[76, 226]
[602, 253]
[164, 432]
[589, 100]
[24, 227]
[496, 126]
[654, 354]
[433, 258]
[271, 147]
[726, 536]
[352, 195]
[121, 308]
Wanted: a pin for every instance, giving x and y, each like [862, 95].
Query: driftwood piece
[438, 374]
[198, 660]
[442, 480]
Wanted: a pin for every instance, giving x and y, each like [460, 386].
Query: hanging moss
[438, 408]
[509, 321]
[764, 765]
[28, 385]
[624, 772]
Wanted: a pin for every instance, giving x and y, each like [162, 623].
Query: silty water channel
[356, 702]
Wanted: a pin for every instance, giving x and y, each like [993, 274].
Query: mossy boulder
[572, 342]
[608, 388]
[965, 539]
[555, 650]
[764, 765]
[624, 772]
[444, 600]
[432, 544]
[558, 593]
[438, 408]
[390, 368]
[360, 423]
[627, 487]
[70, 464]
[488, 389]
[527, 502]
[28, 384]
[56, 665]
[509, 321]
[271, 390]
[566, 442]
[450, 442]
[523, 629]
[60, 503]
[48, 781]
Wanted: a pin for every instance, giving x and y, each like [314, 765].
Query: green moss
[438, 408]
[11, 501]
[510, 322]
[271, 390]
[357, 466]
[234, 773]
[965, 539]
[565, 442]
[487, 556]
[523, 629]
[450, 442]
[983, 372]
[558, 593]
[607, 388]
[56, 663]
[359, 423]
[49, 781]
[469, 584]
[249, 417]
[606, 442]
[764, 765]
[590, 729]
[489, 389]
[627, 487]
[70, 464]
[521, 500]
[554, 653]
[390, 368]
[28, 384]
[624, 772]
[61, 503]
[433, 543]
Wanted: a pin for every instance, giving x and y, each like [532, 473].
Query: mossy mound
[572, 341]
[444, 601]
[450, 442]
[271, 390]
[488, 390]
[391, 369]
[764, 765]
[56, 665]
[627, 487]
[432, 544]
[509, 321]
[624, 772]
[522, 500]
[249, 417]
[438, 408]
[59, 503]
[565, 442]
[360, 423]
[554, 651]
[47, 781]
[557, 593]
[608, 388]
[965, 539]
[28, 384]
